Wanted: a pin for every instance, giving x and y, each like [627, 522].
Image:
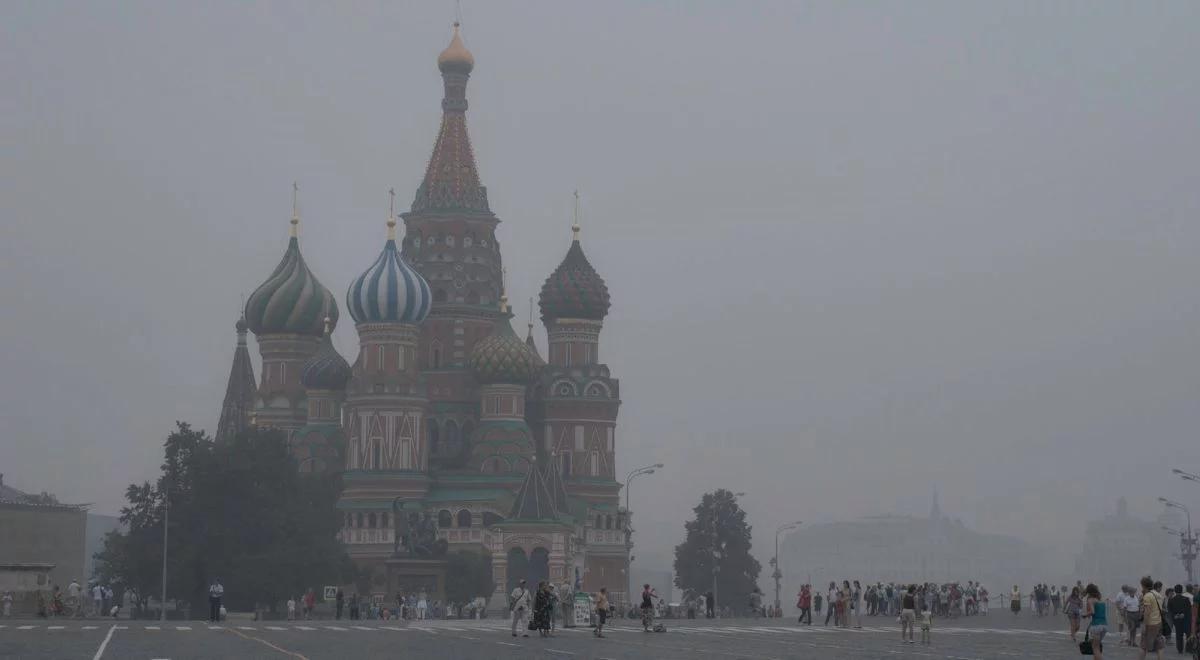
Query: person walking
[1152, 619]
[908, 614]
[566, 598]
[831, 604]
[310, 604]
[1073, 607]
[856, 604]
[8, 601]
[844, 600]
[519, 602]
[1096, 611]
[1134, 617]
[543, 610]
[602, 611]
[1179, 610]
[1015, 600]
[216, 591]
[804, 602]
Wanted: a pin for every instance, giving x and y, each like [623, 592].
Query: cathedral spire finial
[295, 208]
[575, 222]
[328, 326]
[504, 291]
[391, 221]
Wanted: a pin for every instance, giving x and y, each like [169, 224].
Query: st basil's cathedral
[446, 412]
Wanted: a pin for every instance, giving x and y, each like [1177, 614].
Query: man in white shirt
[519, 602]
[215, 592]
[98, 599]
[75, 597]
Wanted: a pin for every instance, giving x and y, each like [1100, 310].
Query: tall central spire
[452, 180]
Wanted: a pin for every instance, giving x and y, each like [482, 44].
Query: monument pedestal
[412, 576]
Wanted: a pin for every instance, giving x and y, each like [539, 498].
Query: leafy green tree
[239, 511]
[468, 574]
[718, 535]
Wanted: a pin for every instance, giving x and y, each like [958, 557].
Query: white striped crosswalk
[465, 628]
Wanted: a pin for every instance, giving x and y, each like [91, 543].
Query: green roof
[466, 495]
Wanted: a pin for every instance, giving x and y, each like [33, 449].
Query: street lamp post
[1187, 542]
[162, 603]
[648, 469]
[778, 574]
[1188, 476]
[716, 605]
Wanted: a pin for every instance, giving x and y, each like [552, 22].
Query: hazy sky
[856, 250]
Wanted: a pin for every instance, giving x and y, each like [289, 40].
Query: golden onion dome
[456, 58]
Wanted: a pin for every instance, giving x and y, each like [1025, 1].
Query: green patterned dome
[291, 301]
[503, 357]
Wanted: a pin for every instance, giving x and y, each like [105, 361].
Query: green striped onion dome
[291, 301]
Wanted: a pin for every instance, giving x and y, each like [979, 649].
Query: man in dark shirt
[1179, 609]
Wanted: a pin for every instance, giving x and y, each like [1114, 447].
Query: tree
[468, 574]
[239, 511]
[718, 534]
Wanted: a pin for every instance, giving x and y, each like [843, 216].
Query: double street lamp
[778, 574]
[1187, 542]
[649, 469]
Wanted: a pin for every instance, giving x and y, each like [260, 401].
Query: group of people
[542, 604]
[846, 604]
[1157, 614]
[77, 601]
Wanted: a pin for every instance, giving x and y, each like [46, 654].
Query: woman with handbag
[1096, 610]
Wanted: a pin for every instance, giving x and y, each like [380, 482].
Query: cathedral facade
[446, 412]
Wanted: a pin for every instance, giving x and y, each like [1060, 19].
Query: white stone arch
[594, 385]
[561, 386]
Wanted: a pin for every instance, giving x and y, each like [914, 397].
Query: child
[926, 625]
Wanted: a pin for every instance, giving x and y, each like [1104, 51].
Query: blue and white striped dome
[390, 291]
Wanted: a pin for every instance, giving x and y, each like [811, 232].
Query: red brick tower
[575, 415]
[451, 240]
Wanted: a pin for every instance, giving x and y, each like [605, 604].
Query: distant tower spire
[935, 512]
[391, 221]
[575, 222]
[237, 410]
[295, 208]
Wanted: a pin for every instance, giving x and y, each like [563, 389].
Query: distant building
[894, 548]
[43, 534]
[1119, 548]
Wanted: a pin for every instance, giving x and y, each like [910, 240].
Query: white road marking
[335, 628]
[305, 628]
[562, 652]
[275, 628]
[396, 628]
[104, 644]
[245, 627]
[183, 627]
[153, 628]
[215, 628]
[428, 630]
[83, 628]
[508, 644]
[55, 627]
[362, 628]
[26, 627]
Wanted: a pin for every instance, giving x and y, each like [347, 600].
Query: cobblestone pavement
[997, 636]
